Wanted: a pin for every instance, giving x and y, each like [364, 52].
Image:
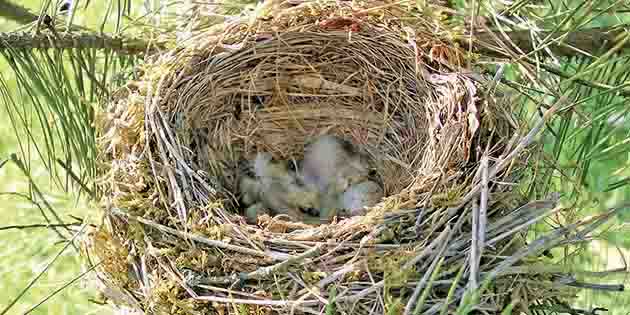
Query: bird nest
[174, 239]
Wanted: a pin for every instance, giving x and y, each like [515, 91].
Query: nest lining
[173, 141]
[274, 99]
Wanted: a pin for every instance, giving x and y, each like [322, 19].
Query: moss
[198, 260]
[113, 256]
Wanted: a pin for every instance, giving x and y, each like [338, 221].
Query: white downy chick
[359, 196]
[280, 190]
[250, 190]
[332, 164]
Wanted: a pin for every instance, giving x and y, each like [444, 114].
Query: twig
[588, 40]
[537, 216]
[571, 281]
[427, 274]
[4, 162]
[218, 299]
[231, 300]
[602, 287]
[474, 248]
[127, 45]
[566, 309]
[30, 199]
[520, 147]
[543, 269]
[263, 272]
[33, 226]
[442, 238]
[307, 289]
[418, 224]
[186, 235]
[547, 241]
[483, 204]
[16, 13]
[335, 275]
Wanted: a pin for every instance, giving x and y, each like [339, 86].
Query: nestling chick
[277, 189]
[250, 190]
[359, 196]
[332, 164]
[254, 211]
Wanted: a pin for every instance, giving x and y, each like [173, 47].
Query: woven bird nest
[174, 240]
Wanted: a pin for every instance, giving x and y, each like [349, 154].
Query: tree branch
[16, 13]
[592, 41]
[122, 45]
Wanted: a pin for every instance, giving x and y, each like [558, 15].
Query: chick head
[361, 195]
[266, 167]
[249, 190]
[332, 161]
[281, 190]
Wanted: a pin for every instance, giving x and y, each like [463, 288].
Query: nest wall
[173, 239]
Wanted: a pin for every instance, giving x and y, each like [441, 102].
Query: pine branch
[120, 45]
[592, 41]
[16, 13]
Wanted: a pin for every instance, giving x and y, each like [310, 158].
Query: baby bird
[332, 165]
[277, 189]
[254, 211]
[359, 196]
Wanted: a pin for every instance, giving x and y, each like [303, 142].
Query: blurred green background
[23, 253]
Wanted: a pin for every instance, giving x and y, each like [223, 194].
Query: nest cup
[174, 239]
[278, 92]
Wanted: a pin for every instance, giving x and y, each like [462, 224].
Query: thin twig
[548, 241]
[186, 235]
[34, 226]
[520, 147]
[16, 13]
[218, 299]
[124, 45]
[426, 251]
[427, 274]
[601, 287]
[335, 275]
[474, 248]
[483, 204]
[76, 178]
[264, 272]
